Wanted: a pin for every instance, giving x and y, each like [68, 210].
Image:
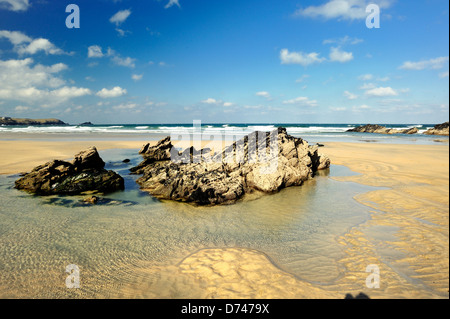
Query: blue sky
[174, 61]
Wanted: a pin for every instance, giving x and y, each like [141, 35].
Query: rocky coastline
[440, 129]
[20, 121]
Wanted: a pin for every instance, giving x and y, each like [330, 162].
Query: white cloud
[343, 41]
[341, 9]
[172, 3]
[21, 108]
[228, 104]
[125, 106]
[263, 94]
[337, 55]
[66, 93]
[211, 101]
[382, 91]
[367, 86]
[23, 44]
[118, 60]
[137, 77]
[301, 100]
[121, 32]
[120, 17]
[365, 77]
[40, 44]
[15, 37]
[14, 5]
[95, 51]
[435, 64]
[301, 58]
[127, 62]
[114, 92]
[21, 80]
[350, 95]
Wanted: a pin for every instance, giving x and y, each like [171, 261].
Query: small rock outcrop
[85, 173]
[261, 161]
[375, 128]
[440, 129]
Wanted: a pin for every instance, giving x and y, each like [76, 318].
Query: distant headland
[19, 121]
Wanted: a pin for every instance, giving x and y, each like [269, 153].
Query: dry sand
[407, 236]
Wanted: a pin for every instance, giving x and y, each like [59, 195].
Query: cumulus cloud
[23, 44]
[40, 44]
[22, 80]
[341, 9]
[137, 77]
[382, 91]
[95, 51]
[305, 59]
[120, 17]
[301, 100]
[301, 58]
[15, 37]
[211, 101]
[114, 92]
[14, 5]
[118, 60]
[337, 55]
[435, 64]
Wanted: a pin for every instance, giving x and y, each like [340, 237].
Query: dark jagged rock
[84, 173]
[17, 121]
[440, 129]
[86, 124]
[375, 128]
[261, 161]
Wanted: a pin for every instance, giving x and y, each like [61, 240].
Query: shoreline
[409, 217]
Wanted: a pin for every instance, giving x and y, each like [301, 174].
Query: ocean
[313, 133]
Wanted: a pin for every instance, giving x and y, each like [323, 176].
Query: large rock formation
[84, 173]
[374, 128]
[17, 121]
[440, 129]
[261, 161]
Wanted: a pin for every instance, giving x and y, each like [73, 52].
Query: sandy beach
[406, 235]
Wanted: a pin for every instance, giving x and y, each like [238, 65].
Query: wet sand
[414, 210]
[409, 218]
